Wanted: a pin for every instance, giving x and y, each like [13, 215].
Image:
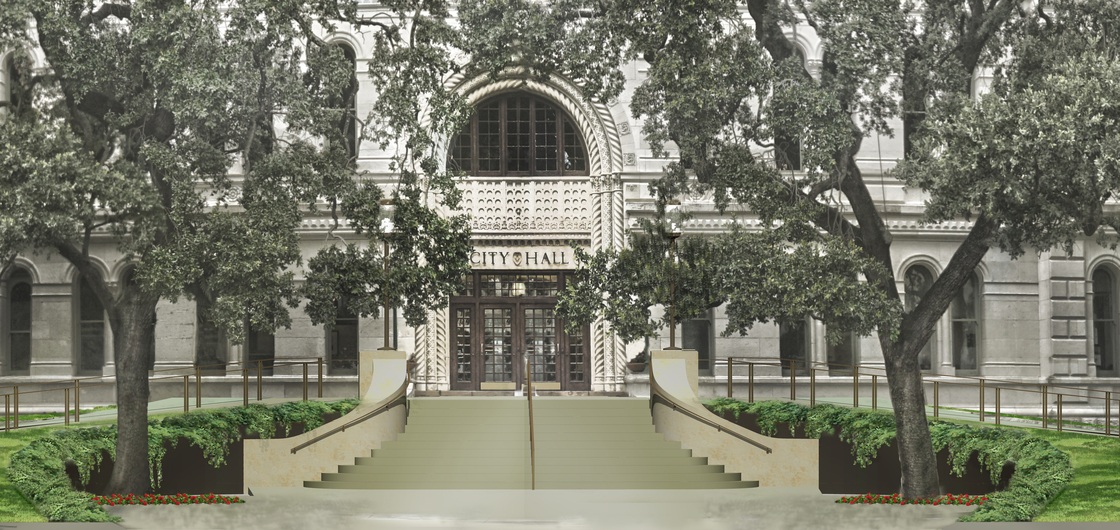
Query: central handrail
[399, 398]
[532, 442]
[656, 393]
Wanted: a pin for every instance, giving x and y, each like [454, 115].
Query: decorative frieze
[527, 205]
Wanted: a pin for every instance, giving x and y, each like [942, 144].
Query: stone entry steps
[483, 443]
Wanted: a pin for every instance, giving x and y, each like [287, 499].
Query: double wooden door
[492, 339]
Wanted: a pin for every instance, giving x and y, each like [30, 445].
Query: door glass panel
[575, 358]
[540, 343]
[497, 344]
[463, 345]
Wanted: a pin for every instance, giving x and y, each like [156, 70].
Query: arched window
[91, 329]
[516, 134]
[19, 324]
[343, 342]
[347, 102]
[1104, 321]
[210, 343]
[793, 345]
[966, 326]
[918, 280]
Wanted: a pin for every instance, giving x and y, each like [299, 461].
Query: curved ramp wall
[792, 462]
[270, 463]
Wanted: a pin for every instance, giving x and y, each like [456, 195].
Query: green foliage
[38, 470]
[1041, 470]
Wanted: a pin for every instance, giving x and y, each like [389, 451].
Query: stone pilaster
[1068, 325]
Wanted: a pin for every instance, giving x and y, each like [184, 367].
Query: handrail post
[812, 386]
[936, 406]
[198, 387]
[532, 441]
[1059, 412]
[792, 380]
[750, 382]
[66, 406]
[187, 393]
[7, 399]
[981, 401]
[855, 387]
[1045, 413]
[77, 401]
[245, 386]
[260, 367]
[874, 391]
[320, 377]
[15, 420]
[1107, 413]
[305, 380]
[997, 405]
[729, 377]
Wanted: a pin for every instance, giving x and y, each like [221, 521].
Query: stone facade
[1035, 314]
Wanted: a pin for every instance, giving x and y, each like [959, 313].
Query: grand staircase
[483, 443]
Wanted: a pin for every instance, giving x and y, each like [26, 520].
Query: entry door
[492, 342]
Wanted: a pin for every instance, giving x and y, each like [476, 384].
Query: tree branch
[121, 11]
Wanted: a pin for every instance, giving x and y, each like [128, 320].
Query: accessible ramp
[484, 443]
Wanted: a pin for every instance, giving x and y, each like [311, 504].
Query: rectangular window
[696, 335]
[261, 351]
[793, 345]
[841, 357]
[520, 284]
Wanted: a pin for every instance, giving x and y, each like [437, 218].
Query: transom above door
[501, 320]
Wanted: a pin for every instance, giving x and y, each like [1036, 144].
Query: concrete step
[582, 436]
[538, 427]
[542, 470]
[441, 460]
[568, 452]
[541, 446]
[483, 478]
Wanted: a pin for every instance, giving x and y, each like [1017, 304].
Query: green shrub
[38, 471]
[1041, 470]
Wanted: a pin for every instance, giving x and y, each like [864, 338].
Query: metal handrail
[532, 441]
[12, 397]
[937, 379]
[400, 398]
[656, 393]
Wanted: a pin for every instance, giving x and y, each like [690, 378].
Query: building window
[696, 334]
[91, 329]
[210, 340]
[261, 349]
[343, 339]
[347, 102]
[516, 134]
[843, 356]
[12, 89]
[966, 326]
[918, 280]
[1104, 321]
[793, 345]
[19, 324]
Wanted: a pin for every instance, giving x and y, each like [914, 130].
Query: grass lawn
[1094, 492]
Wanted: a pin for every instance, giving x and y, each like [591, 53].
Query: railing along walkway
[1046, 391]
[68, 389]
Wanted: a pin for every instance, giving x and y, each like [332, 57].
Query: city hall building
[550, 169]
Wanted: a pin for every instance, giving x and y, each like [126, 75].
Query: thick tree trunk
[915, 448]
[132, 339]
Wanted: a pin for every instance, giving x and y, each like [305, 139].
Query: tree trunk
[132, 339]
[915, 448]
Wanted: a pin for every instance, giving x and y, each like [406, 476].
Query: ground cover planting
[149, 499]
[951, 500]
